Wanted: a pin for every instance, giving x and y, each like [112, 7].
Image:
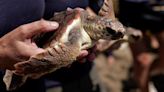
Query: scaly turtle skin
[77, 31]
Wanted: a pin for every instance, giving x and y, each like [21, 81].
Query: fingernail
[54, 24]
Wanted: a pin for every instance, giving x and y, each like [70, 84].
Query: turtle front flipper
[47, 62]
[59, 54]
[56, 56]
[40, 65]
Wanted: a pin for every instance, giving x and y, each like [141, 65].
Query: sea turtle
[77, 31]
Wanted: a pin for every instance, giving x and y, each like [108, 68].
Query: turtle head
[104, 28]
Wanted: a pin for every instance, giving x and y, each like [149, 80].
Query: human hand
[100, 46]
[86, 54]
[18, 46]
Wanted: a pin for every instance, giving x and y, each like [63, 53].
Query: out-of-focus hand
[90, 55]
[17, 45]
[87, 55]
[101, 46]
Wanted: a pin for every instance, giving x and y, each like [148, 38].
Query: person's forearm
[5, 61]
[2, 66]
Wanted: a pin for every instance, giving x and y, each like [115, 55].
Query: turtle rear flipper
[13, 81]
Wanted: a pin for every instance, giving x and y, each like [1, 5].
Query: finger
[36, 51]
[31, 51]
[83, 60]
[91, 57]
[31, 29]
[83, 53]
[28, 50]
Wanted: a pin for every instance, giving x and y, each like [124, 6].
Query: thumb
[31, 29]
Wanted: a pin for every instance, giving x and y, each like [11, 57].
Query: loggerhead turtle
[77, 31]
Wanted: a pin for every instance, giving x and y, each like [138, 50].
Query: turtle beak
[116, 34]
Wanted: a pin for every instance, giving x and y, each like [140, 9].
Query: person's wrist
[3, 58]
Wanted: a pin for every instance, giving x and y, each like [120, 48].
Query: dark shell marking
[63, 47]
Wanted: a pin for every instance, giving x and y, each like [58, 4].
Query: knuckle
[43, 24]
[22, 30]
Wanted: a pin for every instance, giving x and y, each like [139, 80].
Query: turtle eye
[115, 33]
[111, 31]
